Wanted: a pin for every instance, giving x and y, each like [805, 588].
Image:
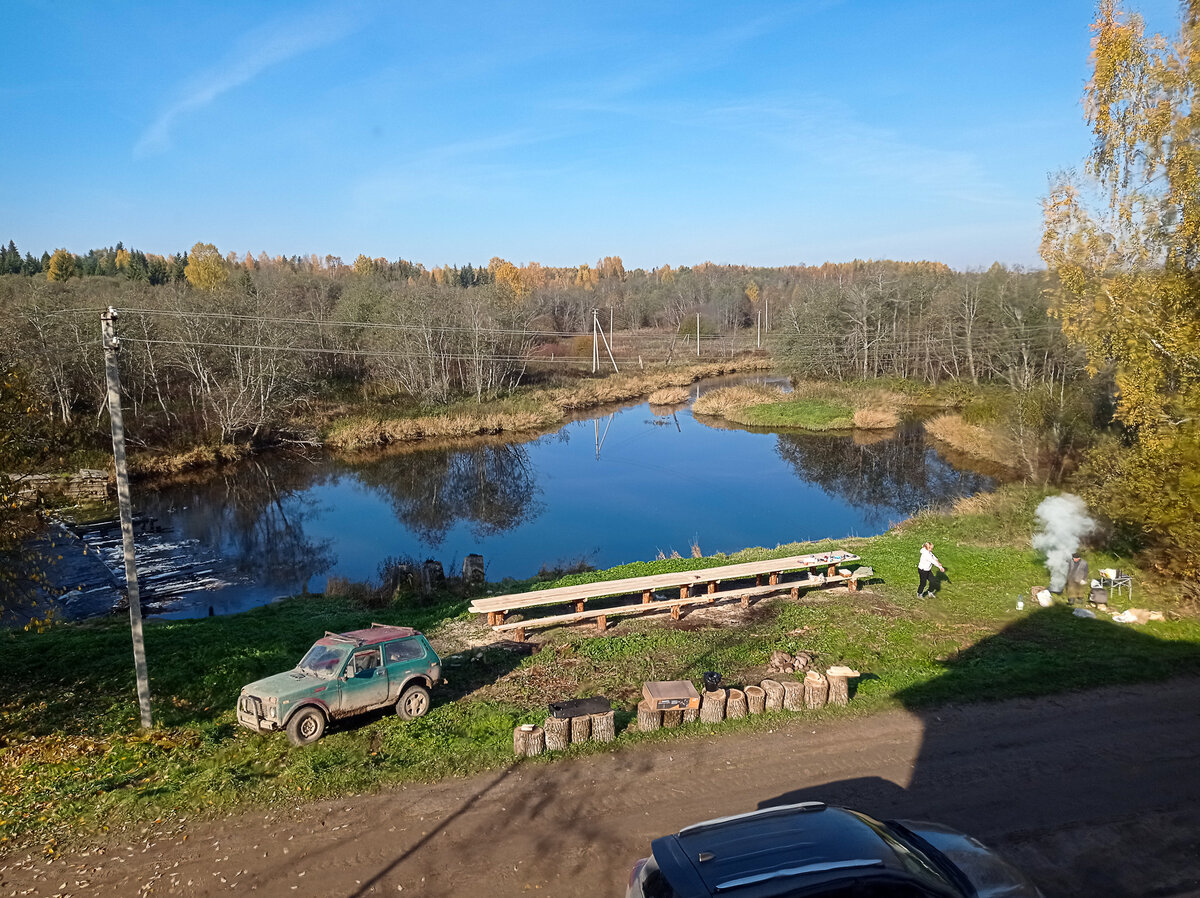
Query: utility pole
[760, 329]
[595, 340]
[597, 335]
[697, 335]
[111, 345]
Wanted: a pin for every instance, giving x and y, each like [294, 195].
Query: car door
[402, 658]
[364, 684]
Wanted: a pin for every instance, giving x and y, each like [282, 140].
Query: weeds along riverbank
[74, 763]
[534, 409]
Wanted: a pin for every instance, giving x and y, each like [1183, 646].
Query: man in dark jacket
[1078, 580]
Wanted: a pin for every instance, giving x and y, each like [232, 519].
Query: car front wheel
[414, 702]
[306, 726]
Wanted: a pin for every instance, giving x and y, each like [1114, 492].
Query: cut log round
[581, 729]
[735, 706]
[672, 717]
[793, 695]
[604, 727]
[691, 715]
[816, 690]
[839, 684]
[712, 706]
[756, 699]
[528, 740]
[839, 691]
[774, 694]
[649, 717]
[558, 733]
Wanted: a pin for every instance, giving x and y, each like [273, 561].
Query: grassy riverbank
[73, 762]
[525, 410]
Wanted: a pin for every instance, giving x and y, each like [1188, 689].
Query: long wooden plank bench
[496, 607]
[601, 615]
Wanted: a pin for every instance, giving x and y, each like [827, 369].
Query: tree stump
[672, 718]
[473, 569]
[581, 729]
[774, 695]
[604, 727]
[816, 690]
[528, 740]
[649, 718]
[839, 684]
[793, 695]
[691, 715]
[756, 699]
[558, 733]
[712, 706]
[735, 705]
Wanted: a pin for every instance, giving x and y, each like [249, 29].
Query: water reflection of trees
[255, 516]
[899, 474]
[491, 488]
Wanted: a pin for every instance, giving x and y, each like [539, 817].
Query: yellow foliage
[205, 268]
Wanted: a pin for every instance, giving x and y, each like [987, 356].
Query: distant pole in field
[697, 335]
[111, 345]
[760, 330]
[595, 341]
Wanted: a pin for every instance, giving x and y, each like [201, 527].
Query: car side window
[366, 662]
[404, 650]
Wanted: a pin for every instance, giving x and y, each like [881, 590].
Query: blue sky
[447, 133]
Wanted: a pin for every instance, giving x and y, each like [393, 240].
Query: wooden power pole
[111, 345]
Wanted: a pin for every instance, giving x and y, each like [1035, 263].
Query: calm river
[621, 487]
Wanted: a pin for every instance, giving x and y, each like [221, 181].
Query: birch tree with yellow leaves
[1128, 274]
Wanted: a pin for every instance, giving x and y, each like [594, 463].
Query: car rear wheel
[414, 702]
[306, 726]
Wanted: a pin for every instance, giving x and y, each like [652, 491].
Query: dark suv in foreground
[812, 851]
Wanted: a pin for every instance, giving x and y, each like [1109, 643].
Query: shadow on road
[1088, 797]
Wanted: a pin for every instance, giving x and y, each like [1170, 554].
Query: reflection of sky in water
[660, 484]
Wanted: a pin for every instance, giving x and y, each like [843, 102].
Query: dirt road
[1094, 794]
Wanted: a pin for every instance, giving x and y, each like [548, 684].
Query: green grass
[73, 760]
[806, 414]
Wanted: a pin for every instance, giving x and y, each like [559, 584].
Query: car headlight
[271, 706]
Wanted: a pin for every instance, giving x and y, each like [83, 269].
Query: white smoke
[1064, 523]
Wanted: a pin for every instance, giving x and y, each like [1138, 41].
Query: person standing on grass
[925, 566]
[1078, 579]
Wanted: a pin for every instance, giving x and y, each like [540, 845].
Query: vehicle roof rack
[340, 637]
[778, 811]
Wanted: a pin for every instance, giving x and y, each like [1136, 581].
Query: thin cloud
[253, 54]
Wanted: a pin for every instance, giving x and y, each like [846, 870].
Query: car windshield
[324, 660]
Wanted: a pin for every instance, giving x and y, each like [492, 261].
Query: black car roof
[774, 851]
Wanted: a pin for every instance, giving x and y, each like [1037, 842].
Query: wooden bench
[709, 579]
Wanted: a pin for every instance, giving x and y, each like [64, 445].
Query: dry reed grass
[545, 408]
[179, 462]
[859, 396]
[727, 400]
[669, 396]
[973, 440]
[876, 418]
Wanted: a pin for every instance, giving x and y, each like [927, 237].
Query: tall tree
[61, 266]
[1129, 271]
[205, 268]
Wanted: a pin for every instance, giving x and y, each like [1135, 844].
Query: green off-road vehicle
[344, 674]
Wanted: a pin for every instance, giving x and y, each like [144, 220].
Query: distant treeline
[223, 348]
